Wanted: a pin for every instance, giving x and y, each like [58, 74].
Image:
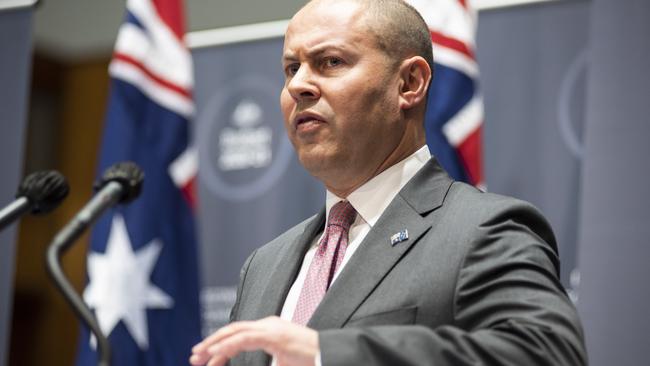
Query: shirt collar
[371, 199]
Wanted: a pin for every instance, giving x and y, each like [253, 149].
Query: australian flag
[142, 264]
[454, 116]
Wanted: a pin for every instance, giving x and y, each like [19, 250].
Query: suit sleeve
[509, 308]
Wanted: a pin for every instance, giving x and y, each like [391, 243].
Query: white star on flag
[120, 287]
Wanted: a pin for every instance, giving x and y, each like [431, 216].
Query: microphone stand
[13, 211]
[61, 243]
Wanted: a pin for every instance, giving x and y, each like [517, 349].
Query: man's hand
[289, 343]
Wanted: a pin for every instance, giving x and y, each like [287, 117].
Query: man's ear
[415, 75]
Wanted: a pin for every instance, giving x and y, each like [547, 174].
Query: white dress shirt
[370, 200]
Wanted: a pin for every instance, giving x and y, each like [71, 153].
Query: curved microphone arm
[54, 254]
[62, 242]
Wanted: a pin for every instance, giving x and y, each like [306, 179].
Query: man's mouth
[306, 121]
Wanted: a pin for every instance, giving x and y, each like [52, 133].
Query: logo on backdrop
[243, 148]
[246, 144]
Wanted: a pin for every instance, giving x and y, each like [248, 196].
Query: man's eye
[292, 69]
[333, 61]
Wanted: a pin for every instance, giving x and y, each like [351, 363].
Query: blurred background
[565, 90]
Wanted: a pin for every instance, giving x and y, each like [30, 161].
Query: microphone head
[45, 190]
[130, 177]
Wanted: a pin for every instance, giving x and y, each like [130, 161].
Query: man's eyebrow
[314, 51]
[288, 57]
[324, 47]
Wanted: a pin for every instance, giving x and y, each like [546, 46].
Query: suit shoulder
[462, 196]
[482, 209]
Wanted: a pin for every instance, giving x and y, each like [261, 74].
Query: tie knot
[342, 214]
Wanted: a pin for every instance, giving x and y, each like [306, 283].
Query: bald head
[399, 29]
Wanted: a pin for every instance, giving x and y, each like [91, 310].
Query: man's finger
[217, 361]
[217, 336]
[222, 333]
[200, 354]
[231, 340]
[242, 341]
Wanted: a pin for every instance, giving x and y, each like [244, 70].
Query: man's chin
[313, 163]
[317, 164]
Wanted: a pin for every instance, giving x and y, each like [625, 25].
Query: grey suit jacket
[475, 283]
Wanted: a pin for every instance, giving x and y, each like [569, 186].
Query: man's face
[340, 98]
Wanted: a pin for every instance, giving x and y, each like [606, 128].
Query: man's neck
[397, 156]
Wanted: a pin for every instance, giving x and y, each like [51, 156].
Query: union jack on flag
[142, 264]
[454, 116]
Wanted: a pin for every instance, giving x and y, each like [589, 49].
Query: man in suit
[403, 266]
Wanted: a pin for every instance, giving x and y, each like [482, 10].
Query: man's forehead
[319, 25]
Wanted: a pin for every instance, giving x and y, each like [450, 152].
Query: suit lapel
[287, 269]
[290, 260]
[370, 263]
[376, 256]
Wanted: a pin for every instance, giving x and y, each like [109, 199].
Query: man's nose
[302, 85]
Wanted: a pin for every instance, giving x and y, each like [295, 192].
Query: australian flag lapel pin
[399, 237]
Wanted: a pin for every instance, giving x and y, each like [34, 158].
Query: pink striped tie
[327, 260]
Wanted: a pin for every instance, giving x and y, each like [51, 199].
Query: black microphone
[40, 193]
[121, 183]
